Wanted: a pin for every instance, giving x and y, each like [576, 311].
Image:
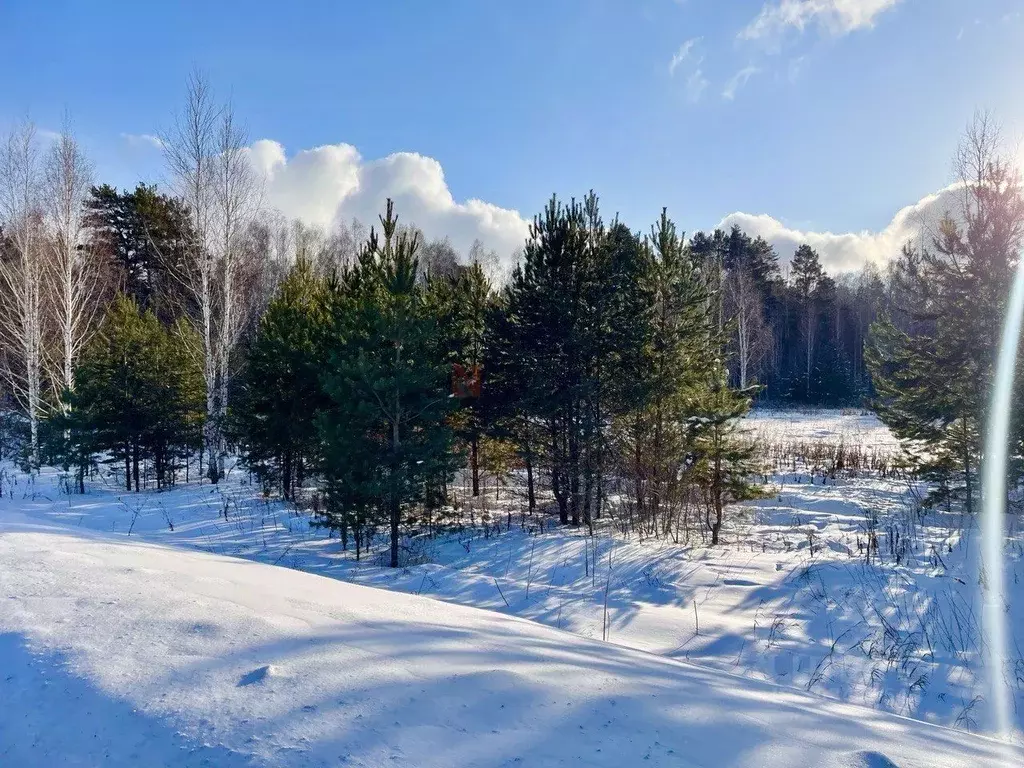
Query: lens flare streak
[994, 511]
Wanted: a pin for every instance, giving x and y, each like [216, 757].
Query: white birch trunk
[188, 151]
[72, 278]
[207, 156]
[22, 276]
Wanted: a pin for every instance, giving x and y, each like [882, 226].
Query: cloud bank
[844, 252]
[334, 183]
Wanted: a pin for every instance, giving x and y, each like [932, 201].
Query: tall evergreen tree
[462, 302]
[807, 276]
[680, 329]
[142, 233]
[934, 375]
[571, 321]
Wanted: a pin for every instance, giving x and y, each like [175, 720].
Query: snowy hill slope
[118, 652]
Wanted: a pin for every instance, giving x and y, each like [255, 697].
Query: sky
[826, 121]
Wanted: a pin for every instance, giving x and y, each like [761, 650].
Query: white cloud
[696, 83]
[143, 140]
[737, 81]
[836, 17]
[682, 54]
[843, 252]
[334, 183]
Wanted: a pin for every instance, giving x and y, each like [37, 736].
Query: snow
[114, 651]
[215, 659]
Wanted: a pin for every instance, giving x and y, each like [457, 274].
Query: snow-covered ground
[119, 652]
[790, 599]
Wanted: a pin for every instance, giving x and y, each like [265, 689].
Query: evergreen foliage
[137, 398]
[934, 371]
[142, 233]
[279, 392]
[385, 432]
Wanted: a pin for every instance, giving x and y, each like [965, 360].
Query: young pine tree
[387, 385]
[669, 370]
[279, 393]
[723, 461]
[137, 395]
[934, 375]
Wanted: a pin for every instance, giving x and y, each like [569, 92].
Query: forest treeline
[158, 331]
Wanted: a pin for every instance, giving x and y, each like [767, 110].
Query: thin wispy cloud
[737, 81]
[682, 54]
[696, 84]
[143, 140]
[835, 17]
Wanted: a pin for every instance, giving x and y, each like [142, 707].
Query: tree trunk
[394, 519]
[530, 492]
[286, 475]
[474, 463]
[967, 470]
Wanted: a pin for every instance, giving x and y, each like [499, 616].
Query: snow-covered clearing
[163, 638]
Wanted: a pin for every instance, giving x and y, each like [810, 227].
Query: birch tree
[72, 279]
[751, 335]
[236, 197]
[22, 275]
[188, 149]
[207, 158]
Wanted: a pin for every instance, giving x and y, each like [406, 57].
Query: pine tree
[537, 358]
[563, 346]
[672, 358]
[934, 374]
[279, 392]
[462, 302]
[142, 233]
[723, 460]
[807, 278]
[388, 387]
[137, 396]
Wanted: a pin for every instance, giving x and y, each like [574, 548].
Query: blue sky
[852, 110]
